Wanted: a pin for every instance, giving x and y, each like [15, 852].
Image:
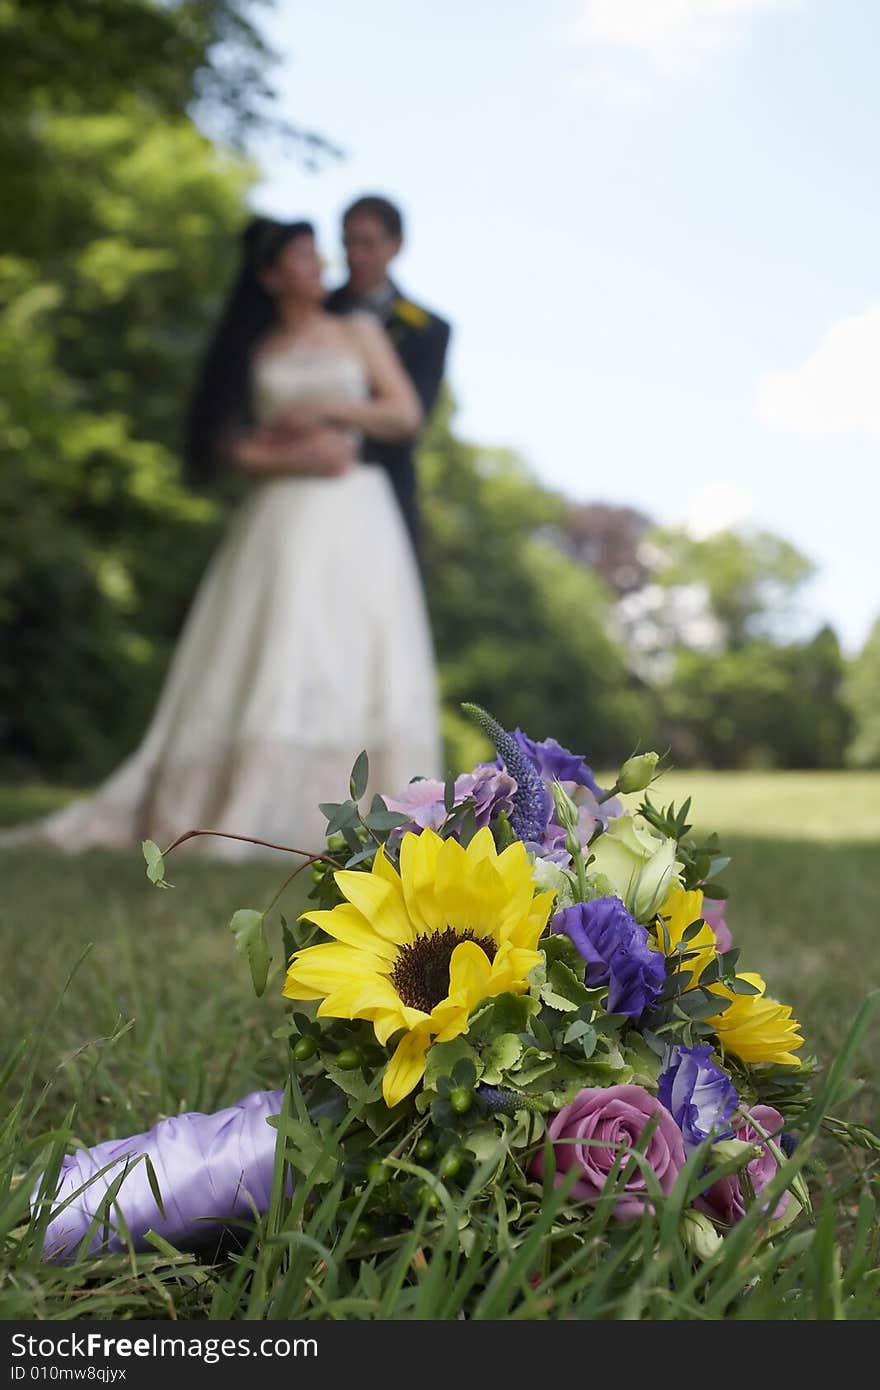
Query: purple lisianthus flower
[700, 1096]
[423, 800]
[617, 953]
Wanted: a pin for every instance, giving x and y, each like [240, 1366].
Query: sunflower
[415, 952]
[755, 1028]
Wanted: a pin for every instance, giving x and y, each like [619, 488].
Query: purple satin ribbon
[210, 1169]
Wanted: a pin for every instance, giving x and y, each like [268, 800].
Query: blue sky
[656, 227]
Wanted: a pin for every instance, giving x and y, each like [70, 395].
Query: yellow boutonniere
[411, 313]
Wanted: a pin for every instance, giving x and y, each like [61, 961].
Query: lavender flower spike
[531, 801]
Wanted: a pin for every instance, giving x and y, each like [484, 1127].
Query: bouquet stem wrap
[210, 1170]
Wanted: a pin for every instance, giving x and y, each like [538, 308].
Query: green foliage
[758, 705]
[749, 579]
[118, 221]
[519, 627]
[863, 699]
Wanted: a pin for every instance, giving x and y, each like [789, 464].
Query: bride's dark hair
[220, 401]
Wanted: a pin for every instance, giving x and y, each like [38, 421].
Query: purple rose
[713, 913]
[613, 1117]
[724, 1200]
[700, 1096]
[423, 800]
[617, 953]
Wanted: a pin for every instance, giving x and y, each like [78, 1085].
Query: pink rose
[713, 913]
[615, 1116]
[724, 1200]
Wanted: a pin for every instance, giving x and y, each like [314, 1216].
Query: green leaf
[249, 929]
[155, 864]
[714, 890]
[502, 1053]
[741, 986]
[345, 815]
[385, 820]
[314, 1154]
[505, 1013]
[360, 775]
[449, 794]
[442, 1058]
[563, 990]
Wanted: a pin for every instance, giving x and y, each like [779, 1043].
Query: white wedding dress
[308, 640]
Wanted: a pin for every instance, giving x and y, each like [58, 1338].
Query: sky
[655, 226]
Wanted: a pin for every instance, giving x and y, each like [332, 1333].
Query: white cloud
[717, 508]
[672, 34]
[837, 390]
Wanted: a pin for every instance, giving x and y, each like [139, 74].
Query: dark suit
[421, 339]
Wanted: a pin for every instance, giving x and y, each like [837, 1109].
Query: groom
[372, 233]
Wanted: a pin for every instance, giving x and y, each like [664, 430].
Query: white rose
[639, 862]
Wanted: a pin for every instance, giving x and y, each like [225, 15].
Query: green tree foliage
[758, 705]
[863, 699]
[749, 579]
[519, 627]
[118, 223]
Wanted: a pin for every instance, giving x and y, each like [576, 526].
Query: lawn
[137, 1006]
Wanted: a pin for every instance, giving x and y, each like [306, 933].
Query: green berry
[363, 1230]
[349, 1059]
[304, 1048]
[378, 1172]
[461, 1100]
[425, 1149]
[428, 1197]
[450, 1164]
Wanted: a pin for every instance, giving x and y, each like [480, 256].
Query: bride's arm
[322, 452]
[393, 412]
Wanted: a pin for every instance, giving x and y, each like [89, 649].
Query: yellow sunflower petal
[361, 999]
[348, 925]
[407, 1066]
[469, 974]
[387, 1023]
[482, 846]
[327, 967]
[418, 872]
[380, 901]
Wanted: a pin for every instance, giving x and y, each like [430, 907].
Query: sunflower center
[421, 973]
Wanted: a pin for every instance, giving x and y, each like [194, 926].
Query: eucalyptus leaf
[385, 820]
[741, 986]
[345, 815]
[360, 775]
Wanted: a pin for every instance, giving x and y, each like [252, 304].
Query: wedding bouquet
[508, 983]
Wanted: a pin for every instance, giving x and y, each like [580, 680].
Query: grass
[159, 1017]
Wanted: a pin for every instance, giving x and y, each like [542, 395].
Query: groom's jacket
[421, 339]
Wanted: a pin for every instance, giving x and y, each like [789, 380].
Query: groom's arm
[425, 361]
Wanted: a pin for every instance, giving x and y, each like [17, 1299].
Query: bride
[308, 638]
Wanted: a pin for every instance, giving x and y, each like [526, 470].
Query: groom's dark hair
[374, 205]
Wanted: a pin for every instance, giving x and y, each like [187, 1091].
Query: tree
[119, 222]
[863, 700]
[749, 579]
